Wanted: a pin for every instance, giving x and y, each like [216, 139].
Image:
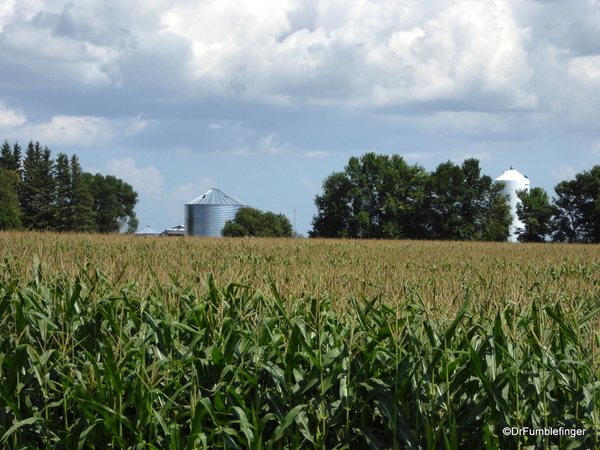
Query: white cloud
[269, 145]
[564, 173]
[482, 156]
[148, 181]
[309, 185]
[6, 11]
[134, 125]
[595, 150]
[187, 192]
[465, 56]
[316, 154]
[69, 131]
[416, 156]
[357, 53]
[245, 144]
[10, 117]
[472, 125]
[61, 59]
[585, 70]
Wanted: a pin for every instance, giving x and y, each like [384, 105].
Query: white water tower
[513, 181]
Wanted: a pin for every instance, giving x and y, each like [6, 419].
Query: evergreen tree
[9, 200]
[37, 188]
[58, 195]
[61, 217]
[81, 212]
[10, 158]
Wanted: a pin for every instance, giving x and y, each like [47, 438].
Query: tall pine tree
[81, 212]
[10, 158]
[37, 188]
[61, 219]
[72, 207]
[9, 200]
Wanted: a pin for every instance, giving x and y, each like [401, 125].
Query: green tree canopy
[37, 188]
[72, 207]
[10, 158]
[382, 197]
[578, 208]
[81, 201]
[462, 204]
[113, 203]
[376, 196]
[58, 195]
[536, 213]
[9, 200]
[253, 222]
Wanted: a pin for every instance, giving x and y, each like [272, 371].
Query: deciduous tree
[578, 208]
[253, 222]
[375, 197]
[462, 204]
[113, 205]
[536, 213]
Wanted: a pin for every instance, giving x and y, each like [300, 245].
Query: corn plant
[89, 360]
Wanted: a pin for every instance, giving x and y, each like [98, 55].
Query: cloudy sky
[265, 98]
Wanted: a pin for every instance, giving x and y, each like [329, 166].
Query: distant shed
[178, 230]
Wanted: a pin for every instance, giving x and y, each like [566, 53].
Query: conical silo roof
[216, 197]
[148, 231]
[511, 175]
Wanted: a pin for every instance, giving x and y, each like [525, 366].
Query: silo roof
[147, 230]
[215, 197]
[511, 175]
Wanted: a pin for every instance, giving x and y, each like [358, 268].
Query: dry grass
[439, 273]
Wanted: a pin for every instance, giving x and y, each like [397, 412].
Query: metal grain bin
[207, 214]
[147, 231]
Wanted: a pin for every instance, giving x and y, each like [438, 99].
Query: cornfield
[128, 343]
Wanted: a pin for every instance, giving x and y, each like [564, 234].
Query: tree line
[383, 197]
[41, 193]
[572, 216]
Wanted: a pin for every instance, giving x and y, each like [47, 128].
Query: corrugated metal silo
[513, 181]
[207, 214]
